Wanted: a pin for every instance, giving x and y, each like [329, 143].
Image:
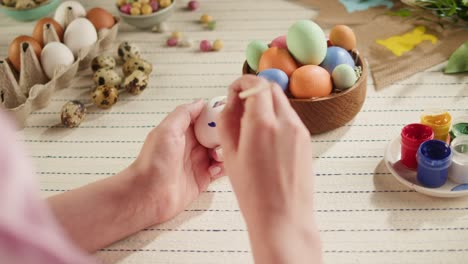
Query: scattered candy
[165, 3]
[205, 46]
[142, 7]
[73, 113]
[172, 42]
[193, 5]
[211, 25]
[105, 96]
[187, 43]
[177, 34]
[161, 28]
[205, 19]
[218, 45]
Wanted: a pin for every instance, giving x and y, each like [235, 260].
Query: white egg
[80, 34]
[54, 56]
[62, 11]
[205, 127]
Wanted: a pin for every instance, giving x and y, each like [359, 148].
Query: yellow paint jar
[440, 122]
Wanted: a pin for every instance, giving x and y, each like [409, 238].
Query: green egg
[254, 52]
[344, 77]
[306, 42]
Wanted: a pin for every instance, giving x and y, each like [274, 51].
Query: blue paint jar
[434, 159]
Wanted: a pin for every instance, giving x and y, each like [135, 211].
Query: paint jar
[459, 127]
[439, 121]
[412, 136]
[459, 169]
[434, 159]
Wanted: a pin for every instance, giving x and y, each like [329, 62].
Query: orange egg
[38, 32]
[310, 81]
[343, 36]
[14, 50]
[278, 59]
[100, 18]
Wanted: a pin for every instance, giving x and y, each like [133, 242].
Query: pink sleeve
[28, 230]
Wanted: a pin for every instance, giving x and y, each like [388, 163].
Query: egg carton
[31, 90]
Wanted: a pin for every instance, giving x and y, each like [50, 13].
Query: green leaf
[464, 2]
[458, 61]
[403, 12]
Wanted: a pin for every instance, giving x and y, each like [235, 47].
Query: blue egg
[277, 76]
[336, 56]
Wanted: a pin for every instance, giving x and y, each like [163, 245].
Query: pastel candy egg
[336, 56]
[205, 127]
[344, 77]
[310, 81]
[343, 36]
[277, 76]
[307, 43]
[254, 52]
[276, 58]
[279, 42]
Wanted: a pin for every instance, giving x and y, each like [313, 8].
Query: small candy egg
[343, 36]
[105, 96]
[279, 42]
[310, 81]
[277, 76]
[205, 46]
[103, 62]
[211, 25]
[164, 3]
[136, 5]
[161, 28]
[144, 2]
[205, 125]
[172, 42]
[218, 45]
[344, 77]
[135, 11]
[193, 5]
[126, 9]
[128, 50]
[121, 2]
[146, 9]
[278, 59]
[177, 35]
[136, 82]
[205, 19]
[137, 64]
[336, 56]
[73, 113]
[154, 5]
[186, 43]
[254, 52]
[306, 42]
[107, 76]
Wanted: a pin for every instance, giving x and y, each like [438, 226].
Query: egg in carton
[30, 90]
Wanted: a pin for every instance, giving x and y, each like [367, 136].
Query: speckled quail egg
[105, 96]
[107, 76]
[103, 62]
[128, 50]
[136, 82]
[73, 113]
[134, 64]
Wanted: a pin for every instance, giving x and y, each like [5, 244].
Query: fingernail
[219, 154]
[215, 170]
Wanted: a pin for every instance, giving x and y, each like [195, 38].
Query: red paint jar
[412, 136]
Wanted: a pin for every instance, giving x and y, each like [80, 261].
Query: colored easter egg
[344, 77]
[253, 53]
[279, 42]
[205, 127]
[336, 56]
[343, 36]
[277, 76]
[276, 58]
[310, 81]
[307, 43]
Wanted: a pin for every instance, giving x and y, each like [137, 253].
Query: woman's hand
[267, 156]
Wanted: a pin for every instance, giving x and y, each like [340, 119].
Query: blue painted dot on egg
[336, 56]
[461, 187]
[212, 124]
[277, 76]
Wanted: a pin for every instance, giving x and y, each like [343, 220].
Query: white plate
[408, 177]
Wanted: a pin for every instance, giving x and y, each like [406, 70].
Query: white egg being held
[205, 127]
[61, 13]
[80, 34]
[54, 56]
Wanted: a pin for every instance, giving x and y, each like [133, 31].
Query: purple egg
[126, 8]
[277, 76]
[279, 42]
[172, 42]
[206, 46]
[336, 56]
[154, 5]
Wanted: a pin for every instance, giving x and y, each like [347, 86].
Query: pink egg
[172, 42]
[279, 42]
[154, 5]
[126, 8]
[193, 5]
[205, 45]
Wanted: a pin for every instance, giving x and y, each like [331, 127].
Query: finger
[259, 104]
[280, 101]
[217, 154]
[216, 170]
[183, 116]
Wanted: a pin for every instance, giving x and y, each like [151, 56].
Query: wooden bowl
[324, 114]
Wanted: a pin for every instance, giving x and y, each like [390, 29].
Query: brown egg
[14, 50]
[310, 81]
[343, 36]
[278, 59]
[100, 18]
[38, 32]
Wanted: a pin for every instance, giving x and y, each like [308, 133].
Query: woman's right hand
[267, 156]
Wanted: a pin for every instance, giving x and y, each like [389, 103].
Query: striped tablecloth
[364, 214]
